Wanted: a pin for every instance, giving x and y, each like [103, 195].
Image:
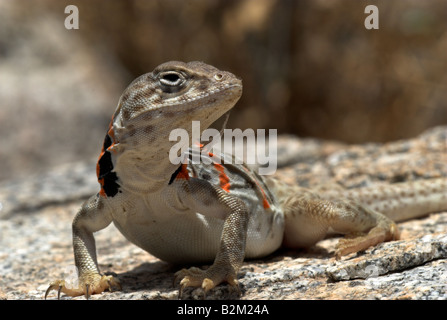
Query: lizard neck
[141, 149]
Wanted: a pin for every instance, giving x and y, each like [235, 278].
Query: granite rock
[36, 214]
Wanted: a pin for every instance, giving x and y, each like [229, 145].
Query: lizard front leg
[231, 251]
[93, 216]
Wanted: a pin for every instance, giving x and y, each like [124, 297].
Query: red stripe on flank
[265, 203]
[111, 134]
[183, 173]
[102, 192]
[223, 178]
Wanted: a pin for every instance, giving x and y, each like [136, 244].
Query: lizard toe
[358, 242]
[55, 285]
[87, 285]
[205, 279]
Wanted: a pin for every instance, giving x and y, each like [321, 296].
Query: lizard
[215, 212]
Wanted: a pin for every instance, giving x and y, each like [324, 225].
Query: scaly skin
[197, 213]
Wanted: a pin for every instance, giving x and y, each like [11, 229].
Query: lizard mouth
[232, 90]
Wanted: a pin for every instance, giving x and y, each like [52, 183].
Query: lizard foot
[205, 279]
[357, 242]
[88, 284]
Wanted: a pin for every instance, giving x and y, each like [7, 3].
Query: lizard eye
[171, 81]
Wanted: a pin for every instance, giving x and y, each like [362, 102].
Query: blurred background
[309, 68]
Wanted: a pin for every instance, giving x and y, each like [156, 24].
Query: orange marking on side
[265, 203]
[101, 181]
[183, 174]
[111, 134]
[102, 192]
[97, 164]
[223, 178]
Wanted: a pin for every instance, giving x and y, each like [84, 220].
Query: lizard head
[155, 104]
[176, 93]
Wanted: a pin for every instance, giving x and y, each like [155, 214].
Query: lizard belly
[188, 237]
[182, 239]
[265, 232]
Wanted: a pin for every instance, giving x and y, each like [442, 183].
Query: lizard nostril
[218, 76]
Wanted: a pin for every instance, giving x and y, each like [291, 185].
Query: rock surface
[36, 214]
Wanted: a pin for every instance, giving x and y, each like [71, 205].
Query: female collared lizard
[196, 213]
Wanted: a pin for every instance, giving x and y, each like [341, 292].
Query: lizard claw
[88, 284]
[58, 284]
[205, 279]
